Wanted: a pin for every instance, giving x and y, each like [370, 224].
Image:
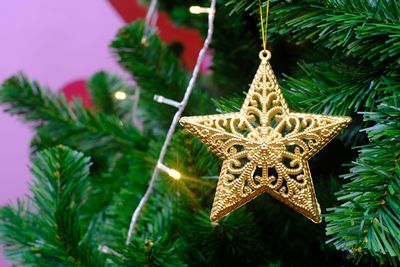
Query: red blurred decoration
[191, 40]
[78, 89]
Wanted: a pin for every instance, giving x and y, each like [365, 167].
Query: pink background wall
[53, 42]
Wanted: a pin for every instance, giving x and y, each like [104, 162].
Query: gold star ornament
[265, 148]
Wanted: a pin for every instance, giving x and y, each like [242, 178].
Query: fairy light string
[160, 166]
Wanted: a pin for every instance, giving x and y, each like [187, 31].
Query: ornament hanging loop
[264, 55]
[264, 30]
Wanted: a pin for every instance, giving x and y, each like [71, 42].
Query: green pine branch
[367, 221]
[232, 241]
[147, 253]
[341, 91]
[366, 30]
[338, 88]
[157, 70]
[155, 238]
[342, 25]
[383, 11]
[71, 214]
[103, 86]
[18, 245]
[110, 139]
[50, 232]
[59, 122]
[233, 66]
[154, 242]
[149, 61]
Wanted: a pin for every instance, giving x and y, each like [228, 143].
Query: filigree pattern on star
[265, 148]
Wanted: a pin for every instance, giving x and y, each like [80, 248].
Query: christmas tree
[92, 168]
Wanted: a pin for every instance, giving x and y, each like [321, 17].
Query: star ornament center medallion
[265, 148]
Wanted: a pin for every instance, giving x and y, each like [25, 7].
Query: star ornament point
[265, 148]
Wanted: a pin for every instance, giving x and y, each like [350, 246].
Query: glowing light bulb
[120, 95]
[195, 9]
[171, 172]
[174, 174]
[198, 9]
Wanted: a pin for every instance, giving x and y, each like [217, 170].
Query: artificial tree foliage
[91, 166]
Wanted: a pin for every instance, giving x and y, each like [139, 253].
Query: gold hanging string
[264, 30]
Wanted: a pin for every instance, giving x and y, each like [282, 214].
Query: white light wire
[175, 120]
[151, 18]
